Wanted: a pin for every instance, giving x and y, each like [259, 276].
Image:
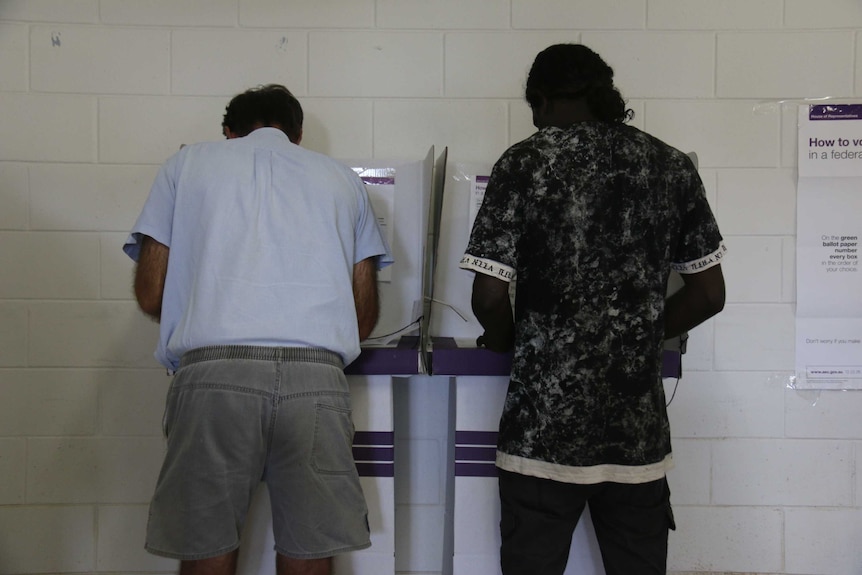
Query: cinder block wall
[95, 94]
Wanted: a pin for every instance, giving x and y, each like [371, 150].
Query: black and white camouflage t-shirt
[589, 221]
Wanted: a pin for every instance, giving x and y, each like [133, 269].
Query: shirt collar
[267, 133]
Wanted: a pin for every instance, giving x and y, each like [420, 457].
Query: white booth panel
[479, 402]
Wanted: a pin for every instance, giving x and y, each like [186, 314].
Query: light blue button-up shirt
[263, 237]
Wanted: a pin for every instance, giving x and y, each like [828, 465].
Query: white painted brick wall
[77, 11]
[754, 274]
[13, 459]
[375, 64]
[756, 202]
[49, 265]
[473, 130]
[789, 127]
[131, 402]
[788, 283]
[119, 548]
[714, 14]
[754, 337]
[14, 334]
[858, 70]
[87, 197]
[766, 65]
[142, 130]
[116, 60]
[824, 414]
[727, 405]
[644, 62]
[97, 93]
[47, 128]
[47, 539]
[781, 472]
[724, 133]
[823, 540]
[226, 62]
[13, 57]
[338, 128]
[301, 14]
[822, 14]
[93, 470]
[593, 14]
[83, 334]
[689, 480]
[443, 14]
[481, 55]
[169, 12]
[14, 197]
[40, 402]
[732, 539]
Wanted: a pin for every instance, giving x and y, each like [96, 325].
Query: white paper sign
[829, 228]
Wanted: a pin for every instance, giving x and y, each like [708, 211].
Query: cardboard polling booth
[399, 192]
[481, 378]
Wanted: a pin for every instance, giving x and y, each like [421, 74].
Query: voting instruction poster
[828, 228]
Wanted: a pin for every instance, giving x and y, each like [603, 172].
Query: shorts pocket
[332, 450]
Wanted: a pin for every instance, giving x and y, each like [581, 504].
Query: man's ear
[298, 137]
[229, 134]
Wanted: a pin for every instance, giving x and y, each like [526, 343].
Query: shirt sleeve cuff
[701, 264]
[487, 267]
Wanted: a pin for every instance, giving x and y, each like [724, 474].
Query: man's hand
[700, 298]
[494, 311]
[488, 341]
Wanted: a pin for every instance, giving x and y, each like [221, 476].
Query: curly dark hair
[573, 71]
[270, 105]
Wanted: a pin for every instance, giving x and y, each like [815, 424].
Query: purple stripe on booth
[449, 359]
[475, 453]
[373, 469]
[476, 438]
[475, 470]
[373, 453]
[402, 359]
[374, 438]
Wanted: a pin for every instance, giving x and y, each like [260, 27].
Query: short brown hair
[271, 105]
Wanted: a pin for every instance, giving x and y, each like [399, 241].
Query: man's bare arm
[365, 296]
[700, 298]
[493, 309]
[150, 276]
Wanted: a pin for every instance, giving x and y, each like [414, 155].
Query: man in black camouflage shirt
[589, 216]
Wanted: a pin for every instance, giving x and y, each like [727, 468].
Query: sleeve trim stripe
[487, 267]
[703, 263]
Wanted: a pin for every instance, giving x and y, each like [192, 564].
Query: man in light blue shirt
[259, 259]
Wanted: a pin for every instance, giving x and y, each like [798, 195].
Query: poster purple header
[835, 112]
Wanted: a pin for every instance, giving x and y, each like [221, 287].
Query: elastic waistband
[262, 353]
